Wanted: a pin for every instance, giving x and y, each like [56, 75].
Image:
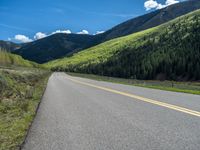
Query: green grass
[21, 90]
[183, 87]
[8, 59]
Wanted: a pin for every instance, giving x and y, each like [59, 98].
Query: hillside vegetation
[8, 59]
[21, 87]
[21, 90]
[169, 51]
[60, 45]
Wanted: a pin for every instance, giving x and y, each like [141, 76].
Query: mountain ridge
[151, 19]
[60, 45]
[9, 46]
[50, 47]
[169, 51]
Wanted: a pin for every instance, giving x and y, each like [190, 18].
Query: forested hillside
[61, 45]
[169, 51]
[55, 46]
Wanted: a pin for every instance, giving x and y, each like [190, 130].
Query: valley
[149, 54]
[134, 86]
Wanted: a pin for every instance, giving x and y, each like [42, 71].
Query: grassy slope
[8, 59]
[20, 92]
[99, 53]
[159, 46]
[21, 87]
[183, 87]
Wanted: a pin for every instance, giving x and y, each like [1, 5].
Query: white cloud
[150, 4]
[83, 32]
[153, 4]
[62, 31]
[99, 32]
[22, 38]
[39, 35]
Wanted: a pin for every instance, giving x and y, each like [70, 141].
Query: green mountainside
[61, 45]
[169, 51]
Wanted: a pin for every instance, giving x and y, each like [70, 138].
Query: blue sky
[25, 18]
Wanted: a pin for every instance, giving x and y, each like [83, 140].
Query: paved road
[82, 114]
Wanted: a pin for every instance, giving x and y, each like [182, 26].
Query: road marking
[155, 102]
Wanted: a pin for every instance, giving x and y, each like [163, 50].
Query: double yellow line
[155, 102]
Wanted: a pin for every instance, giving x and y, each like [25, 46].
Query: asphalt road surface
[83, 114]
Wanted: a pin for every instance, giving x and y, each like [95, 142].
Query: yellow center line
[155, 102]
